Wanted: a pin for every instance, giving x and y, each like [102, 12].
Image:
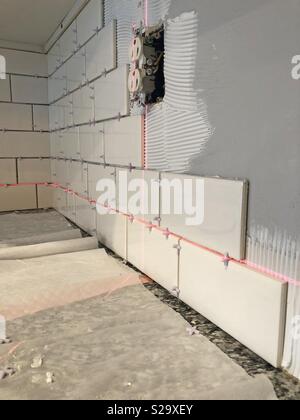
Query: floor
[116, 336]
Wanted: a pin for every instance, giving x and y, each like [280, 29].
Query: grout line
[32, 118]
[22, 103]
[34, 76]
[37, 196]
[10, 87]
[17, 170]
[8, 130]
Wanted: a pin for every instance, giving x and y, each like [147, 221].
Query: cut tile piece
[41, 117]
[247, 305]
[153, 254]
[45, 197]
[5, 90]
[221, 207]
[89, 21]
[34, 170]
[8, 171]
[123, 142]
[18, 198]
[101, 52]
[112, 95]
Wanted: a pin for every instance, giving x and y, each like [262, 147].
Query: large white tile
[71, 206]
[13, 144]
[68, 42]
[112, 95]
[97, 173]
[89, 21]
[41, 117]
[112, 232]
[78, 177]
[57, 84]
[76, 73]
[34, 170]
[19, 62]
[101, 52]
[92, 143]
[223, 227]
[153, 254]
[64, 112]
[86, 216]
[61, 174]
[15, 117]
[247, 305]
[123, 141]
[60, 201]
[29, 90]
[5, 89]
[8, 172]
[83, 105]
[18, 198]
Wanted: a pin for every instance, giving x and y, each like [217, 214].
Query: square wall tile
[123, 141]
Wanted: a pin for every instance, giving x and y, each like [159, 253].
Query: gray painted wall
[244, 68]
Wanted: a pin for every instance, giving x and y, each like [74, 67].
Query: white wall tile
[86, 216]
[83, 105]
[111, 95]
[224, 225]
[154, 254]
[60, 201]
[78, 177]
[89, 21]
[19, 62]
[45, 197]
[92, 143]
[123, 141]
[68, 42]
[5, 90]
[8, 173]
[18, 198]
[76, 74]
[112, 232]
[41, 117]
[34, 170]
[97, 173]
[33, 90]
[57, 84]
[247, 305]
[101, 52]
[54, 58]
[14, 144]
[71, 206]
[15, 117]
[70, 143]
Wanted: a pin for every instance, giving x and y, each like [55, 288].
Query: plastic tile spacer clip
[176, 292]
[226, 260]
[167, 233]
[150, 227]
[131, 218]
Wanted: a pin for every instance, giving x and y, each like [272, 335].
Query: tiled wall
[24, 131]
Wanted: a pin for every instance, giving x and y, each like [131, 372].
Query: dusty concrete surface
[126, 345]
[26, 224]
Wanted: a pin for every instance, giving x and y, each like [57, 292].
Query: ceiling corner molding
[66, 22]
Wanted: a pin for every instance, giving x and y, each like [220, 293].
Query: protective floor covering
[125, 345]
[29, 286]
[23, 224]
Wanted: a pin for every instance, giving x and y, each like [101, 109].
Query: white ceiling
[31, 22]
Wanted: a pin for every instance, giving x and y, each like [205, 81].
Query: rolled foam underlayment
[42, 238]
[50, 248]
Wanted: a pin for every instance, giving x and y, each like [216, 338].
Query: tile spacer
[226, 260]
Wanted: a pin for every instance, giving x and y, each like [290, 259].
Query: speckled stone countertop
[286, 387]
